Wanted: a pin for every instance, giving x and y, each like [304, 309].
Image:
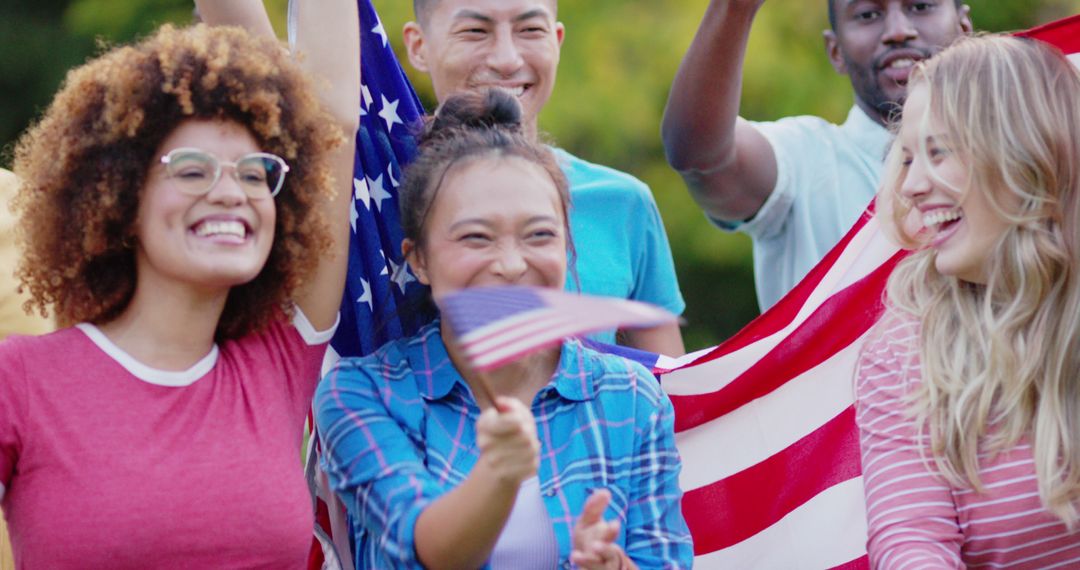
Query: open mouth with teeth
[899, 69]
[516, 91]
[943, 223]
[228, 230]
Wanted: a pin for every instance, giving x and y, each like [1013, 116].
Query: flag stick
[480, 379]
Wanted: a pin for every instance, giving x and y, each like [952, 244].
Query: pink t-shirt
[915, 518]
[105, 462]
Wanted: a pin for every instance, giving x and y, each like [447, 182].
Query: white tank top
[528, 539]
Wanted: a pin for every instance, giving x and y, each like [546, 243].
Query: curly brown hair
[84, 164]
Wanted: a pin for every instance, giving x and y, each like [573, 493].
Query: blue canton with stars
[382, 298]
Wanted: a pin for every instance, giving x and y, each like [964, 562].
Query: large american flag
[764, 422]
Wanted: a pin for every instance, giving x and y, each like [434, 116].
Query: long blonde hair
[1001, 361]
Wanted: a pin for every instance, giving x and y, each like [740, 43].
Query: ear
[560, 32]
[833, 50]
[415, 260]
[965, 19]
[413, 35]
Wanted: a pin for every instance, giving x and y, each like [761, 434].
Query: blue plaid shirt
[398, 431]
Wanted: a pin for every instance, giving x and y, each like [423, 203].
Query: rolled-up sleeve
[657, 535]
[370, 460]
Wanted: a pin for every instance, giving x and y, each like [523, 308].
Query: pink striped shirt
[918, 520]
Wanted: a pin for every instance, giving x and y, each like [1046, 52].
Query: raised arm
[726, 163]
[328, 47]
[370, 429]
[248, 14]
[328, 44]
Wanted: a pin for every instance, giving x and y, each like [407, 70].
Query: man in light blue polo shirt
[622, 249]
[798, 184]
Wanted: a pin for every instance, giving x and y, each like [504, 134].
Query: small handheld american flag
[495, 325]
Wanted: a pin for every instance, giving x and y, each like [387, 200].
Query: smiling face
[962, 226]
[469, 44]
[877, 42]
[213, 241]
[494, 221]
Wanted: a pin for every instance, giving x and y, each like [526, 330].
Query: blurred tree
[618, 61]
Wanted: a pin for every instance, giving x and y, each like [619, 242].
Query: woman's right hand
[506, 436]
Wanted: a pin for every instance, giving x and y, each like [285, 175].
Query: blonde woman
[969, 391]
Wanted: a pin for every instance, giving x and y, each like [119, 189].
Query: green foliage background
[617, 64]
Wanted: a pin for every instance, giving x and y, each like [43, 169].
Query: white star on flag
[384, 271]
[365, 297]
[399, 274]
[353, 215]
[378, 191]
[381, 32]
[389, 113]
[365, 99]
[390, 174]
[361, 192]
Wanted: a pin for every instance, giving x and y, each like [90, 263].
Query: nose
[509, 263]
[505, 56]
[899, 28]
[226, 191]
[917, 182]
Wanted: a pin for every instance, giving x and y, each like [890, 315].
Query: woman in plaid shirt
[565, 457]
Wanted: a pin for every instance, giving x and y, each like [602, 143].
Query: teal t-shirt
[622, 248]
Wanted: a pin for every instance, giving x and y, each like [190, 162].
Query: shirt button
[565, 564]
[551, 493]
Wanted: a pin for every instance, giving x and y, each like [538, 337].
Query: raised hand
[506, 436]
[594, 537]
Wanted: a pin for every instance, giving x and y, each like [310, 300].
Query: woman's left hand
[594, 537]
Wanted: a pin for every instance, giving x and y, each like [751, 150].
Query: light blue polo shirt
[826, 177]
[622, 248]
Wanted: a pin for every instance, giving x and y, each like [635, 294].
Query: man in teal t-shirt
[622, 249]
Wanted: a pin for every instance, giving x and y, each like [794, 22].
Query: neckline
[149, 374]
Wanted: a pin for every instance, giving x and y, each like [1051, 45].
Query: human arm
[371, 427]
[328, 44]
[459, 530]
[664, 339]
[729, 166]
[328, 48]
[653, 531]
[654, 278]
[248, 14]
[911, 517]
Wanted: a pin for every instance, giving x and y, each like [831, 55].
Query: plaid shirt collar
[436, 376]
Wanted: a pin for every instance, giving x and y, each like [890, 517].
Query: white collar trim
[174, 379]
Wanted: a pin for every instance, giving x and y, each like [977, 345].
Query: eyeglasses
[195, 172]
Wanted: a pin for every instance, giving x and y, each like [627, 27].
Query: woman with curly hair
[969, 391]
[183, 211]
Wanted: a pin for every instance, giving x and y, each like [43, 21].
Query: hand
[506, 436]
[594, 538]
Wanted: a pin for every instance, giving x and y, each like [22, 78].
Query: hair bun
[483, 109]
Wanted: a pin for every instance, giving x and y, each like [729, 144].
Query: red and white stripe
[765, 422]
